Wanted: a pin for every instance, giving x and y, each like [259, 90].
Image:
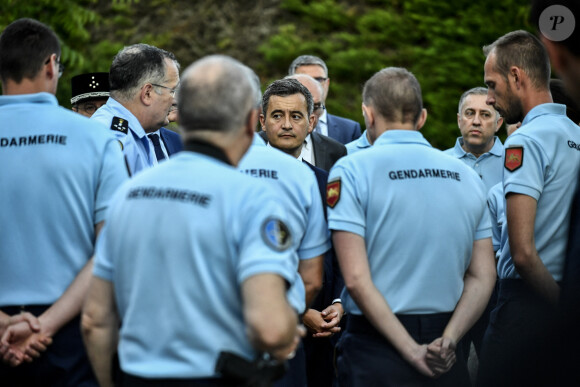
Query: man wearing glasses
[341, 129]
[143, 81]
[59, 171]
[90, 91]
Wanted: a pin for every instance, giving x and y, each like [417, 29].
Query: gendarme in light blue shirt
[181, 240]
[488, 166]
[359, 144]
[58, 171]
[135, 142]
[295, 185]
[419, 211]
[548, 173]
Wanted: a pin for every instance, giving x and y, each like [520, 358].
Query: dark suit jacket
[171, 140]
[343, 129]
[326, 151]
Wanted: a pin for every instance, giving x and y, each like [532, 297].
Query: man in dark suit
[341, 129]
[316, 149]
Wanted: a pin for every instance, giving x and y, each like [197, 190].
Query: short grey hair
[307, 60]
[395, 94]
[217, 93]
[474, 91]
[136, 65]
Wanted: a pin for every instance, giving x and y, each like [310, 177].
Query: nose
[490, 100]
[477, 119]
[286, 124]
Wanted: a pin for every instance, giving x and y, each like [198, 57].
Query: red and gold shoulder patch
[514, 158]
[333, 192]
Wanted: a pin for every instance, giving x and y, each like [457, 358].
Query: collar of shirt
[38, 98]
[119, 110]
[545, 108]
[396, 136]
[363, 141]
[323, 123]
[496, 149]
[207, 149]
[307, 152]
[152, 154]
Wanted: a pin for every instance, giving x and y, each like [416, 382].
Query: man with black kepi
[197, 257]
[90, 91]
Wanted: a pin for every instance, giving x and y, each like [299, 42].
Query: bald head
[216, 93]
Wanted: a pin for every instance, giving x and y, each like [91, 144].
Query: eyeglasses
[171, 91]
[319, 106]
[60, 65]
[320, 79]
[89, 108]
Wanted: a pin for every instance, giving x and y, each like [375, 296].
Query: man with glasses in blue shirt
[143, 82]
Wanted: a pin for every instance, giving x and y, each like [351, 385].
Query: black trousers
[366, 358]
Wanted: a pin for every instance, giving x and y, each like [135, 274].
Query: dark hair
[135, 65]
[216, 93]
[307, 60]
[560, 95]
[285, 87]
[524, 50]
[395, 93]
[25, 45]
[572, 43]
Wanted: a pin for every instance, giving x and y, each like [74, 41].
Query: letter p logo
[557, 23]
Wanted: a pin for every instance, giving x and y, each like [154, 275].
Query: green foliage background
[440, 42]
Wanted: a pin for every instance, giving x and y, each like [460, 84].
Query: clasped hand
[21, 339]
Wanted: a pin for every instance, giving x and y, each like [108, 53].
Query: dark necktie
[157, 146]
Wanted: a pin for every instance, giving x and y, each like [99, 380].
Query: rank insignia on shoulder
[333, 192]
[276, 234]
[514, 157]
[120, 125]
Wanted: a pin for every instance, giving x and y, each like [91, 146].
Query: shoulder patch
[514, 157]
[120, 125]
[333, 192]
[276, 234]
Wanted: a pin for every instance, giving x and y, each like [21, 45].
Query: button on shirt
[488, 166]
[135, 143]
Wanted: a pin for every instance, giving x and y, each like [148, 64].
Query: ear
[251, 123]
[499, 122]
[311, 121]
[458, 117]
[422, 119]
[516, 74]
[51, 68]
[262, 122]
[146, 94]
[368, 115]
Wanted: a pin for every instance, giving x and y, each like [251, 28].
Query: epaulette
[120, 125]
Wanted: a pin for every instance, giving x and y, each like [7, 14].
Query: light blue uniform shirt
[58, 172]
[180, 241]
[551, 162]
[135, 143]
[295, 186]
[488, 166]
[359, 144]
[495, 204]
[419, 211]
